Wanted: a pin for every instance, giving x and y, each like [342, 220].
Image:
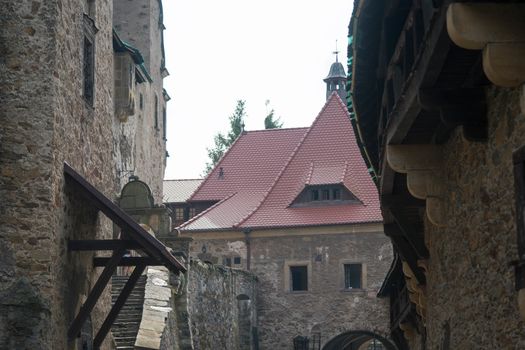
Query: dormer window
[324, 195]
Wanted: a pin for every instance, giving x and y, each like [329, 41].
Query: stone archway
[354, 340]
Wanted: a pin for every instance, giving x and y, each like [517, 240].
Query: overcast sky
[220, 51]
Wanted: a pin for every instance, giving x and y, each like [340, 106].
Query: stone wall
[140, 146]
[222, 306]
[327, 307]
[46, 121]
[472, 303]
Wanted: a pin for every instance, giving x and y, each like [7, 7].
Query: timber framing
[153, 251]
[420, 69]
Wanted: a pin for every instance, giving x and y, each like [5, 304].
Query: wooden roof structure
[153, 251]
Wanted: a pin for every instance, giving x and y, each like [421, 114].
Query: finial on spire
[336, 52]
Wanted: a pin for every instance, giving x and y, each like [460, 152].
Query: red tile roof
[264, 171]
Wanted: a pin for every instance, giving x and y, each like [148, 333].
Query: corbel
[496, 28]
[416, 292]
[422, 164]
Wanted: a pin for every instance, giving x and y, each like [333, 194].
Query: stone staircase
[126, 326]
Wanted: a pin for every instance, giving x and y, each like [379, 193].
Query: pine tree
[269, 121]
[223, 142]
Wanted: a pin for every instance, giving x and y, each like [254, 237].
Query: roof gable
[325, 153]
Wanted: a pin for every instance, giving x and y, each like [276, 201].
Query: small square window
[227, 261]
[353, 276]
[336, 194]
[299, 277]
[314, 195]
[325, 195]
[179, 213]
[237, 260]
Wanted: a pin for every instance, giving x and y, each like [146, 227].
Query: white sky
[219, 51]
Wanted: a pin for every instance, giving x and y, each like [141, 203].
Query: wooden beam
[152, 246]
[98, 244]
[473, 25]
[405, 250]
[414, 238]
[119, 303]
[94, 295]
[128, 261]
[432, 56]
[401, 201]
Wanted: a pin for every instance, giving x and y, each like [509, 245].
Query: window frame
[288, 276]
[342, 279]
[88, 63]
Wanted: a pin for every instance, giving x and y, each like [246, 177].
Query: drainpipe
[247, 240]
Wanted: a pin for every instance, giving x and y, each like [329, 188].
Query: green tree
[223, 142]
[270, 122]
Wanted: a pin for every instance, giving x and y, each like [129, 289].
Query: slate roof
[179, 191]
[336, 71]
[264, 171]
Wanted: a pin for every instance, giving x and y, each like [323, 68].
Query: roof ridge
[278, 129]
[216, 165]
[276, 179]
[287, 163]
[294, 153]
[204, 212]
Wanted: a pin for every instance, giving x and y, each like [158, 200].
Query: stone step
[126, 326]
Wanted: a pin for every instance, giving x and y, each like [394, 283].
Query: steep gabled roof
[267, 172]
[251, 164]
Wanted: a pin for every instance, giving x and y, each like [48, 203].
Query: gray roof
[178, 191]
[336, 71]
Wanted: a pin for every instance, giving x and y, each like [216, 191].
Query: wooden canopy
[155, 253]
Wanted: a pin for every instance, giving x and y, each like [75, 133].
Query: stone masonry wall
[326, 307]
[45, 121]
[139, 144]
[222, 305]
[470, 285]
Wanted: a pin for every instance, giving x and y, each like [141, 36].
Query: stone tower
[336, 79]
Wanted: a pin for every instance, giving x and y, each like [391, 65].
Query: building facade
[299, 210]
[438, 100]
[59, 104]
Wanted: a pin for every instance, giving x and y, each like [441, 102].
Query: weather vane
[336, 52]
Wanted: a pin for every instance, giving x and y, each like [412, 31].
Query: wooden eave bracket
[496, 28]
[422, 164]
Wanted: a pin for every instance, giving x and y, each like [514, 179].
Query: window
[164, 124]
[156, 113]
[299, 278]
[141, 101]
[353, 276]
[227, 261]
[88, 60]
[179, 214]
[237, 260]
[335, 194]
